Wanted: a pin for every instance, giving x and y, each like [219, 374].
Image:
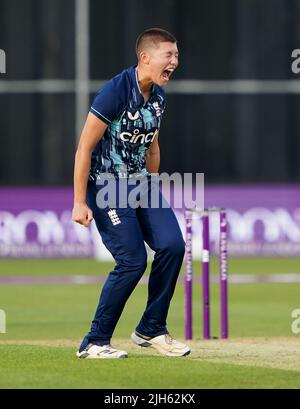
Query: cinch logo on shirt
[137, 137]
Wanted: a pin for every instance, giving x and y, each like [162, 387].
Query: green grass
[92, 267]
[56, 317]
[65, 311]
[51, 367]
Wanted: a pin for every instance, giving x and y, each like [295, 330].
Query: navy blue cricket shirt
[132, 125]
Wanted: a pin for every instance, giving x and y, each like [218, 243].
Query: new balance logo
[114, 217]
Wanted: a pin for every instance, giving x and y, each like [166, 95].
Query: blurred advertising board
[263, 220]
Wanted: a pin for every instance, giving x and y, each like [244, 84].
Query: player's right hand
[82, 214]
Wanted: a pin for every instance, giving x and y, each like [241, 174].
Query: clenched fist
[82, 214]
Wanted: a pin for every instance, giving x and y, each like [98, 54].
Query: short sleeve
[105, 104]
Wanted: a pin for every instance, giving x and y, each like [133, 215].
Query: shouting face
[161, 61]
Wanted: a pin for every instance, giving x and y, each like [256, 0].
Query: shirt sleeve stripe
[102, 116]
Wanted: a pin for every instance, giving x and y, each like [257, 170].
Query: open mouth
[167, 74]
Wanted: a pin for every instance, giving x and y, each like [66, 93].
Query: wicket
[204, 214]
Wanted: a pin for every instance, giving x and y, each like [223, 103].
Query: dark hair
[154, 36]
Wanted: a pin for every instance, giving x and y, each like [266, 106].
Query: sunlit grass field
[45, 323]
